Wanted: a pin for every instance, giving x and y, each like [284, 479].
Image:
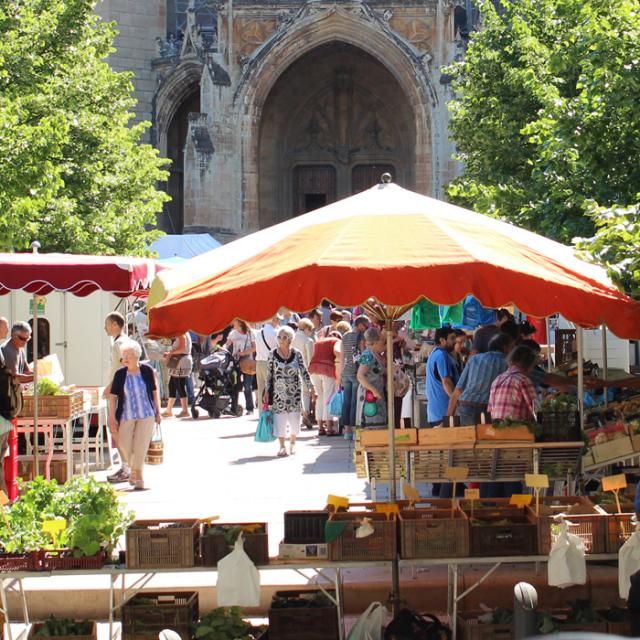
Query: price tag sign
[337, 502]
[411, 492]
[388, 508]
[521, 499]
[536, 480]
[4, 499]
[456, 473]
[472, 494]
[54, 528]
[614, 483]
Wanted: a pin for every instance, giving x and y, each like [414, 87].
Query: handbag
[335, 404]
[248, 366]
[408, 625]
[174, 361]
[264, 431]
[155, 452]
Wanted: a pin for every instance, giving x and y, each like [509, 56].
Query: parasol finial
[35, 245]
[385, 178]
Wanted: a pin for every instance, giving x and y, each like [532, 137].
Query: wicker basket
[433, 533]
[155, 453]
[304, 527]
[490, 536]
[153, 544]
[62, 406]
[213, 547]
[147, 614]
[590, 527]
[34, 632]
[380, 545]
[20, 562]
[303, 623]
[470, 628]
[64, 560]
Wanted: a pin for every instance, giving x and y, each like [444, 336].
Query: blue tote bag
[264, 432]
[335, 404]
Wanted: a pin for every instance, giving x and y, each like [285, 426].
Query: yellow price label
[54, 526]
[4, 499]
[614, 483]
[387, 508]
[411, 492]
[472, 494]
[536, 480]
[521, 499]
[456, 473]
[338, 502]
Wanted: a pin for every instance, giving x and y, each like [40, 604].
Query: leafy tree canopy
[547, 116]
[73, 173]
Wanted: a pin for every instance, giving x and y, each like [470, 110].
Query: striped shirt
[512, 396]
[136, 399]
[350, 341]
[479, 374]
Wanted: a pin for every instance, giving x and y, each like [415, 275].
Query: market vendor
[15, 355]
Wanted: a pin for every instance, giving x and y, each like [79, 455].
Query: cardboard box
[315, 551]
[519, 433]
[380, 437]
[619, 447]
[447, 435]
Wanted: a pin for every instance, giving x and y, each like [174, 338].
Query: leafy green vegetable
[48, 387]
[507, 423]
[226, 623]
[57, 627]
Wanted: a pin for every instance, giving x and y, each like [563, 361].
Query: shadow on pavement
[254, 459]
[237, 435]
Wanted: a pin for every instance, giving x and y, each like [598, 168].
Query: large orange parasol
[393, 245]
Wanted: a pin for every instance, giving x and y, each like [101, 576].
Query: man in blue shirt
[441, 375]
[471, 394]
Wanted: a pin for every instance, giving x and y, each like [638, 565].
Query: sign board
[536, 480]
[456, 473]
[472, 494]
[4, 500]
[614, 483]
[521, 499]
[387, 508]
[41, 305]
[411, 492]
[337, 502]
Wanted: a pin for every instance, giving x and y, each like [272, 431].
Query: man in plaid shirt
[512, 392]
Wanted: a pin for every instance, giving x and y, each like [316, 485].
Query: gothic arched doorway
[176, 136]
[333, 122]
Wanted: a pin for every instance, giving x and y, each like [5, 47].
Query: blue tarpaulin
[184, 246]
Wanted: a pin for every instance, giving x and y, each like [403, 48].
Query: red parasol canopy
[42, 273]
[396, 246]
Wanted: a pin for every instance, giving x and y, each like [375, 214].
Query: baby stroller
[217, 395]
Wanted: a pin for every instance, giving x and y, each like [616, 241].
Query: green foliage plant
[225, 623]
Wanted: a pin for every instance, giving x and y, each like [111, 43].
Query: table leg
[68, 443]
[85, 445]
[5, 608]
[339, 605]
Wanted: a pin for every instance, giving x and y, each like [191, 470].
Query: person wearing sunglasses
[15, 355]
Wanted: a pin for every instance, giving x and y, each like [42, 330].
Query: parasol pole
[35, 245]
[388, 325]
[580, 349]
[605, 364]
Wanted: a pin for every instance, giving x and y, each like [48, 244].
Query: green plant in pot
[226, 623]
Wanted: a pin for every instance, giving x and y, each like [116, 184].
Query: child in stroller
[219, 373]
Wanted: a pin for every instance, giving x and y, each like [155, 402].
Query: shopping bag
[567, 563]
[335, 404]
[628, 563]
[408, 625]
[369, 624]
[238, 579]
[264, 432]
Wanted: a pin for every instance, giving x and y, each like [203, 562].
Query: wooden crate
[94, 393]
[380, 545]
[57, 469]
[34, 632]
[303, 623]
[590, 526]
[470, 628]
[517, 432]
[147, 614]
[153, 544]
[619, 447]
[380, 437]
[62, 406]
[433, 533]
[435, 436]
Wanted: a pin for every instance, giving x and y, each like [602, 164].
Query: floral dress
[375, 377]
[284, 381]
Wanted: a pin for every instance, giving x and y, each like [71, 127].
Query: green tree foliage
[547, 116]
[73, 173]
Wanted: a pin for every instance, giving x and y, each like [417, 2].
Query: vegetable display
[226, 623]
[54, 627]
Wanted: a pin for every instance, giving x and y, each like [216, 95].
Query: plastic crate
[304, 527]
[64, 560]
[147, 614]
[153, 544]
[433, 533]
[380, 545]
[20, 562]
[590, 527]
[559, 426]
[303, 623]
[490, 536]
[470, 628]
[619, 529]
[34, 632]
[213, 547]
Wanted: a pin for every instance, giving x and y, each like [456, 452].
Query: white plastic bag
[365, 529]
[369, 624]
[628, 563]
[238, 579]
[567, 564]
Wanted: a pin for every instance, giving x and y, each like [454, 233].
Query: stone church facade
[271, 108]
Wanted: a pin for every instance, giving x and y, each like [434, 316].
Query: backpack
[408, 625]
[10, 393]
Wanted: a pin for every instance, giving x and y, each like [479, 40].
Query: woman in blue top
[372, 405]
[134, 408]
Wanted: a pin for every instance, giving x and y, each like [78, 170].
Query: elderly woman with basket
[286, 374]
[134, 408]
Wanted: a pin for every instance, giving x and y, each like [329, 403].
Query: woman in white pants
[134, 408]
[325, 378]
[285, 376]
